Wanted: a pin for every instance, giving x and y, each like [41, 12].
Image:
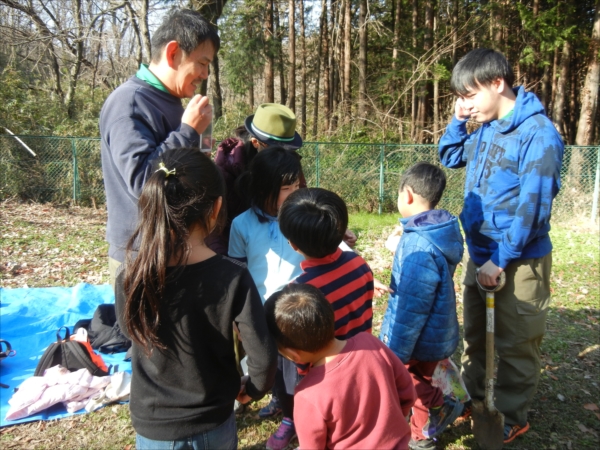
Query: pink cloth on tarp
[57, 385]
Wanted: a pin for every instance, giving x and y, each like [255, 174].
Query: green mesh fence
[365, 175]
[62, 170]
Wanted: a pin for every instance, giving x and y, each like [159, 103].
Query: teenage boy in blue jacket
[420, 324]
[513, 163]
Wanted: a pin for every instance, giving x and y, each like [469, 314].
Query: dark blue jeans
[223, 437]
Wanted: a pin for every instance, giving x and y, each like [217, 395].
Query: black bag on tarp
[71, 354]
[104, 332]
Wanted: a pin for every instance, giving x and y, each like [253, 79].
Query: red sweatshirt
[359, 400]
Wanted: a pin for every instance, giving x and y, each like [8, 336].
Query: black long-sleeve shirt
[191, 386]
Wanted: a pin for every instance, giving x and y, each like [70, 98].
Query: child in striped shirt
[314, 221]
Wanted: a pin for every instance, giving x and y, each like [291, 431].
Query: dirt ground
[45, 245]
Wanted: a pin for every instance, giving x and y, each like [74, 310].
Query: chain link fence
[51, 169]
[365, 175]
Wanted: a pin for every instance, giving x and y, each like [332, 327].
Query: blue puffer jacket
[513, 174]
[420, 321]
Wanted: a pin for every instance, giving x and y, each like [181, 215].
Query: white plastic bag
[447, 377]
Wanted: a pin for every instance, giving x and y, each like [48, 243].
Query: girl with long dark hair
[178, 301]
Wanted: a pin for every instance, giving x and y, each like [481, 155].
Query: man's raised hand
[198, 113]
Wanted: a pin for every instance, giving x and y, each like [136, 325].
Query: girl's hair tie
[161, 166]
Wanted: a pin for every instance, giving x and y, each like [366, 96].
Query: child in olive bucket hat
[274, 124]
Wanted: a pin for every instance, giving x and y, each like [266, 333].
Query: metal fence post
[76, 190]
[381, 178]
[596, 187]
[317, 165]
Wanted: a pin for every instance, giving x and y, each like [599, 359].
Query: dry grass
[43, 245]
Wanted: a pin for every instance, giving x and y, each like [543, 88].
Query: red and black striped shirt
[346, 281]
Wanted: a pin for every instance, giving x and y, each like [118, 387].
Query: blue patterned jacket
[513, 175]
[420, 321]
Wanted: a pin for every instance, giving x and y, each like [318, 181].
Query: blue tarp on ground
[29, 320]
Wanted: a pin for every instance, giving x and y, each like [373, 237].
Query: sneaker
[512, 431]
[283, 436]
[272, 409]
[425, 444]
[441, 417]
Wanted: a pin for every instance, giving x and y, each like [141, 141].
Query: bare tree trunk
[573, 102]
[335, 60]
[346, 105]
[555, 70]
[269, 63]
[97, 57]
[589, 93]
[396, 41]
[325, 41]
[496, 25]
[217, 97]
[279, 49]
[436, 87]
[534, 70]
[561, 90]
[454, 30]
[362, 59]
[428, 41]
[292, 57]
[251, 95]
[425, 92]
[144, 30]
[436, 108]
[546, 86]
[395, 85]
[322, 44]
[303, 82]
[326, 68]
[280, 64]
[414, 131]
[136, 30]
[75, 68]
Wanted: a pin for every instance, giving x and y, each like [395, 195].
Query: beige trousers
[113, 265]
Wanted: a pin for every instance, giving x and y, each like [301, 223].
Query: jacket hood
[440, 228]
[526, 105]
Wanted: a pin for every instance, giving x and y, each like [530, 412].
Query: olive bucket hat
[274, 124]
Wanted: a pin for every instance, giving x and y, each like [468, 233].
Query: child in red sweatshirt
[357, 393]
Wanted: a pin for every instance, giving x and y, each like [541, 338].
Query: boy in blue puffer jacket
[420, 324]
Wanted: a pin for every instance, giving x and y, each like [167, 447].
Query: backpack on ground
[72, 352]
[104, 331]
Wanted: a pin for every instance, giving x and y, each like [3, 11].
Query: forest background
[352, 70]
